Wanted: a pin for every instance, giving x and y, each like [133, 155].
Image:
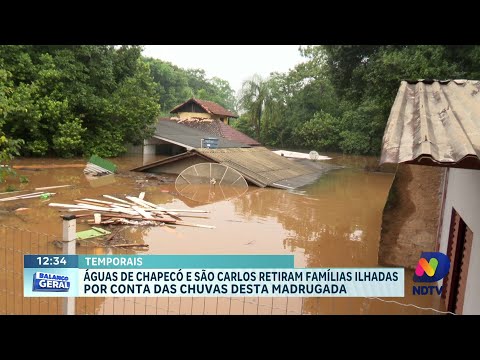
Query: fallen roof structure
[434, 123]
[258, 165]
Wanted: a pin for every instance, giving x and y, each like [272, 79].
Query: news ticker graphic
[200, 276]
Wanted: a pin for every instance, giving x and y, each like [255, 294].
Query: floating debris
[97, 166]
[92, 233]
[41, 194]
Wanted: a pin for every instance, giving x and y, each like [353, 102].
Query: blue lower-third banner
[127, 276]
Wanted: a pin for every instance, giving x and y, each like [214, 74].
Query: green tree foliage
[76, 100]
[175, 85]
[8, 147]
[340, 97]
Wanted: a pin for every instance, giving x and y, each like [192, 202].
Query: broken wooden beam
[144, 214]
[119, 200]
[52, 187]
[129, 245]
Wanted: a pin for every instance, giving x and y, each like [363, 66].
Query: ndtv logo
[432, 267]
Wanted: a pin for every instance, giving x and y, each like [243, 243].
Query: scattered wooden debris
[133, 211]
[122, 221]
[28, 196]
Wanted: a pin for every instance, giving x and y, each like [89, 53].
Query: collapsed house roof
[172, 132]
[258, 165]
[434, 123]
[209, 107]
[218, 128]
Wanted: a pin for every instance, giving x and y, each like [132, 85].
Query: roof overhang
[434, 123]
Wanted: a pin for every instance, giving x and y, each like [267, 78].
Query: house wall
[149, 146]
[203, 115]
[463, 194]
[411, 216]
[134, 149]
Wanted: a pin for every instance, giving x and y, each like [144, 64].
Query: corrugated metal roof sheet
[168, 130]
[209, 106]
[258, 165]
[434, 123]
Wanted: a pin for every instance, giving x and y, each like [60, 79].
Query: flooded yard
[334, 222]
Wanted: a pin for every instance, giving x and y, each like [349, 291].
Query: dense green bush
[340, 97]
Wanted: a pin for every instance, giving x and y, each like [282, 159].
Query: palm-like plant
[254, 99]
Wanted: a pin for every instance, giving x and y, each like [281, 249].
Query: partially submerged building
[202, 109]
[172, 138]
[193, 121]
[210, 118]
[436, 124]
[259, 166]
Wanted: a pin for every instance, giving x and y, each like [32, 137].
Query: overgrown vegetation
[339, 99]
[175, 85]
[80, 100]
[89, 99]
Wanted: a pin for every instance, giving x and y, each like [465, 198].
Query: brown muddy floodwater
[334, 222]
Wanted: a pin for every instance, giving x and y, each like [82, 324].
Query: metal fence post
[69, 248]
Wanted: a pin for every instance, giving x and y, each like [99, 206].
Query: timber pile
[131, 211]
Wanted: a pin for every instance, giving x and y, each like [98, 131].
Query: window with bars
[459, 250]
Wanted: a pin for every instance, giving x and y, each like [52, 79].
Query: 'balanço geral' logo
[431, 267]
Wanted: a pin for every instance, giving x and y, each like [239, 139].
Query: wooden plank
[180, 210]
[117, 199]
[145, 214]
[89, 203]
[12, 192]
[140, 202]
[156, 207]
[36, 196]
[130, 245]
[52, 187]
[17, 197]
[24, 197]
[107, 203]
[101, 208]
[142, 195]
[138, 217]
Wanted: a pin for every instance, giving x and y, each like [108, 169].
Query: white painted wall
[463, 193]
